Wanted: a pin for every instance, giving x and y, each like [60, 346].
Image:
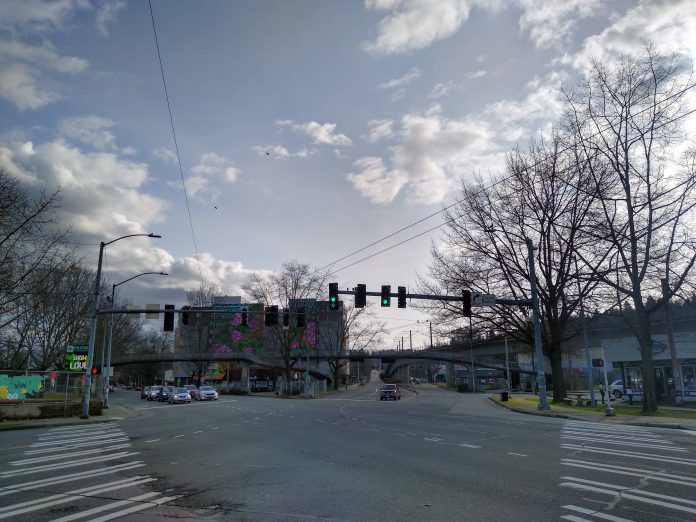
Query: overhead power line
[483, 189]
[176, 144]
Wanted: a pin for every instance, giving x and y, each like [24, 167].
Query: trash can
[504, 396]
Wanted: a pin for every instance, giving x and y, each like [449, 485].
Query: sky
[306, 129]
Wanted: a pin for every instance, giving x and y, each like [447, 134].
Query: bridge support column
[450, 374]
[244, 385]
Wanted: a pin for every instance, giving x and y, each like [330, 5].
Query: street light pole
[93, 326]
[110, 330]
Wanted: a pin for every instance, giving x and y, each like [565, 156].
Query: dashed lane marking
[153, 440]
[594, 513]
[517, 454]
[464, 445]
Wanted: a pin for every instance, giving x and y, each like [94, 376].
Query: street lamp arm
[131, 235]
[144, 273]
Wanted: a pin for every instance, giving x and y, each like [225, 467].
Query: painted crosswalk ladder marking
[103, 451]
[625, 466]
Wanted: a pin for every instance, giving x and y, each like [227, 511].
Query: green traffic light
[333, 299]
[384, 302]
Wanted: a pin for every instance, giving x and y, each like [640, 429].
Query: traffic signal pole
[540, 370]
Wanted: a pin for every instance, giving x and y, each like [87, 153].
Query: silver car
[153, 393]
[206, 393]
[179, 395]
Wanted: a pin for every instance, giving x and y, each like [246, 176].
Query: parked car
[191, 388]
[145, 392]
[616, 388]
[178, 395]
[206, 393]
[389, 391]
[164, 393]
[154, 393]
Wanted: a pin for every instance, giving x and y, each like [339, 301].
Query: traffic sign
[479, 299]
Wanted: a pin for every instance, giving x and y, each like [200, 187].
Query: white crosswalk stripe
[621, 470]
[104, 452]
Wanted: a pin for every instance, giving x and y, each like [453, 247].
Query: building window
[689, 377]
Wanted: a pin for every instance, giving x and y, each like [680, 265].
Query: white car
[616, 388]
[206, 393]
[179, 395]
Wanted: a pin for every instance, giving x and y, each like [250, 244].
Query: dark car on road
[164, 393]
[389, 391]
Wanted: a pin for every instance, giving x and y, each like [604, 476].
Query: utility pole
[507, 366]
[541, 375]
[431, 334]
[585, 342]
[410, 341]
[471, 350]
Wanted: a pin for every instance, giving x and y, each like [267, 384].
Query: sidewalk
[115, 412]
[668, 418]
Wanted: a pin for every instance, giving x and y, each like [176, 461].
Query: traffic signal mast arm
[435, 297]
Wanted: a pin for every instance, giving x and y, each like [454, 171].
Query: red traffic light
[96, 370]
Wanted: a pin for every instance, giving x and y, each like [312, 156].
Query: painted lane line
[62, 498]
[644, 474]
[107, 507]
[690, 432]
[621, 489]
[401, 434]
[81, 434]
[215, 428]
[199, 431]
[623, 443]
[573, 518]
[46, 458]
[625, 495]
[606, 436]
[517, 454]
[610, 430]
[464, 445]
[53, 467]
[433, 439]
[36, 484]
[631, 454]
[153, 440]
[178, 436]
[75, 446]
[134, 509]
[84, 439]
[595, 513]
[74, 428]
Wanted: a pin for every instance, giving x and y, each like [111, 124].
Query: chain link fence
[25, 395]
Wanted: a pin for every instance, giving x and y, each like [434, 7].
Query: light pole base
[609, 412]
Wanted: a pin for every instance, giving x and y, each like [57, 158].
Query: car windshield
[180, 390]
[389, 387]
[206, 388]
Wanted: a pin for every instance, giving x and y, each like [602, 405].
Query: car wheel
[617, 394]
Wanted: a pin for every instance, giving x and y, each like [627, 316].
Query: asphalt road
[435, 455]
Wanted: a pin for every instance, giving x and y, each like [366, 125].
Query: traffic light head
[386, 295]
[360, 296]
[333, 296]
[271, 316]
[96, 370]
[301, 317]
[168, 318]
[466, 303]
[402, 297]
[185, 315]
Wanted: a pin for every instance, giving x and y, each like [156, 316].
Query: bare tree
[348, 328]
[197, 334]
[629, 115]
[296, 281]
[484, 247]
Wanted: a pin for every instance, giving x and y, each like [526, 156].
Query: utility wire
[176, 144]
[483, 189]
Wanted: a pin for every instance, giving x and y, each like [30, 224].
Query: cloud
[551, 23]
[402, 81]
[38, 16]
[107, 13]
[433, 151]
[375, 182]
[443, 89]
[321, 133]
[101, 193]
[211, 172]
[23, 66]
[415, 24]
[129, 151]
[476, 74]
[669, 25]
[19, 85]
[165, 155]
[91, 130]
[280, 152]
[379, 129]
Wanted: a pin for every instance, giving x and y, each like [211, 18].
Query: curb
[570, 417]
[64, 421]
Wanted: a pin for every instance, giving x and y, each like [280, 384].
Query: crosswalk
[81, 472]
[625, 473]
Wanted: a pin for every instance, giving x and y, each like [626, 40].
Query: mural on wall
[229, 335]
[20, 387]
[308, 340]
